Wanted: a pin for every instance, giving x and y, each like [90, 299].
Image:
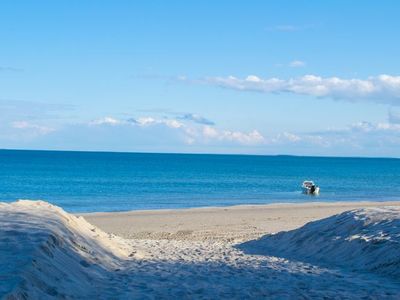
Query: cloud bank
[188, 132]
[192, 128]
[155, 134]
[383, 89]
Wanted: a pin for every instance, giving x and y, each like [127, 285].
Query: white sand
[364, 240]
[232, 224]
[45, 252]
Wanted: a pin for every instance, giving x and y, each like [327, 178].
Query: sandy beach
[330, 251]
[232, 224]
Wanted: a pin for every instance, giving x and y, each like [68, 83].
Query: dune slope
[363, 240]
[46, 252]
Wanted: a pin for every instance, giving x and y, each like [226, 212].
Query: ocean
[107, 181]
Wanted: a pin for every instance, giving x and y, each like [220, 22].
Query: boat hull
[307, 190]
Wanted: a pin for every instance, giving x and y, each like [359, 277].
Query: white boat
[309, 187]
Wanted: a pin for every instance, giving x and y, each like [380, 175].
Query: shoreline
[231, 223]
[238, 206]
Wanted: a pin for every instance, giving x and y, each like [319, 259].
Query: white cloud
[361, 131]
[141, 122]
[358, 139]
[297, 64]
[287, 136]
[150, 121]
[33, 129]
[363, 135]
[250, 138]
[106, 121]
[370, 127]
[173, 123]
[380, 89]
[290, 139]
[145, 121]
[192, 132]
[210, 132]
[150, 133]
[25, 120]
[197, 119]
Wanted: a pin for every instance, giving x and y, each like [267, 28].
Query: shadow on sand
[364, 241]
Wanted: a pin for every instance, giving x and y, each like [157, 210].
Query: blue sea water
[104, 181]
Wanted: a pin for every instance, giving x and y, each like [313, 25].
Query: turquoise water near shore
[105, 181]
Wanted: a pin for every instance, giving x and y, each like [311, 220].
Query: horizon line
[194, 153]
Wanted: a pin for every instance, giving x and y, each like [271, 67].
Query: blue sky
[259, 77]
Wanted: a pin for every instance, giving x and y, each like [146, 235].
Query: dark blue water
[96, 181]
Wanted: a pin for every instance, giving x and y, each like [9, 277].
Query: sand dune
[363, 240]
[48, 253]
